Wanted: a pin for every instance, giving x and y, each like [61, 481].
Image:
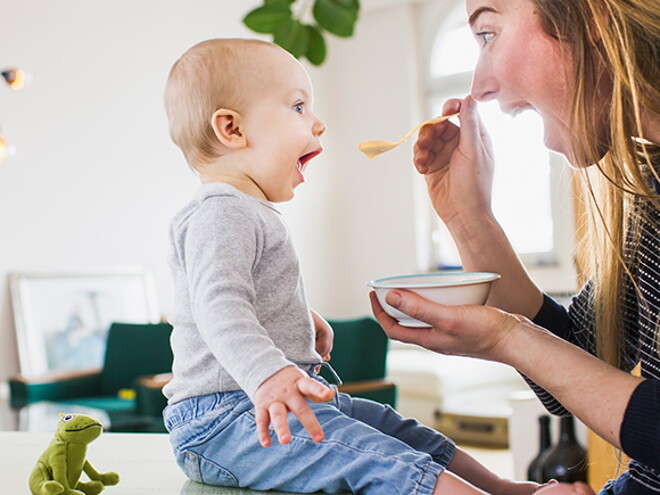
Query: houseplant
[300, 26]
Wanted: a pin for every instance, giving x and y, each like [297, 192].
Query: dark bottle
[533, 471]
[567, 460]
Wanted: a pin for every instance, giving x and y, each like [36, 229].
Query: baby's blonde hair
[210, 75]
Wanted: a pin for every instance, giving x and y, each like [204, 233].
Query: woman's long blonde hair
[617, 41]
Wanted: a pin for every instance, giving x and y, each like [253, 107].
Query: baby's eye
[486, 37]
[298, 107]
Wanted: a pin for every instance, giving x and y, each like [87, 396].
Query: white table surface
[144, 462]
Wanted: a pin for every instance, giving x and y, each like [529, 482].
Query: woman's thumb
[470, 125]
[416, 306]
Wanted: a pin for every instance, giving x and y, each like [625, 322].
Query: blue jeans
[624, 485]
[369, 448]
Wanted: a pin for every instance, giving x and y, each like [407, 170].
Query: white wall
[367, 91]
[95, 178]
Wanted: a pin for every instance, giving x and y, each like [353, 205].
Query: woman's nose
[484, 85]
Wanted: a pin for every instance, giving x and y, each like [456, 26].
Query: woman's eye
[486, 37]
[298, 107]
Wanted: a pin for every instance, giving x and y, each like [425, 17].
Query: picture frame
[62, 318]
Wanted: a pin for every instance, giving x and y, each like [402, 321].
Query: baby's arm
[286, 391]
[324, 335]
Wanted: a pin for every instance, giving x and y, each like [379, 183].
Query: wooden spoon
[374, 148]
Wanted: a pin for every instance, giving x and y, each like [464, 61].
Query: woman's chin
[562, 147]
[556, 145]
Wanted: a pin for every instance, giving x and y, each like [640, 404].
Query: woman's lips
[515, 109]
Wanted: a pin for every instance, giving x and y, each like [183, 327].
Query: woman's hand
[457, 163]
[324, 335]
[595, 392]
[476, 331]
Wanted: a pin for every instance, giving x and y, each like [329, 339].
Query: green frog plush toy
[59, 468]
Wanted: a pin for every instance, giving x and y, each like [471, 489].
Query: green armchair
[138, 362]
[120, 388]
[359, 357]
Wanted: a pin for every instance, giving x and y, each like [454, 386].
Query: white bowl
[452, 288]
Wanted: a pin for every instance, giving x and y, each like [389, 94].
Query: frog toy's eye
[67, 417]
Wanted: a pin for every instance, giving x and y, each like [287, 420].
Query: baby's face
[282, 131]
[565, 489]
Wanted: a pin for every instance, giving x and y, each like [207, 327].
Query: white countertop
[144, 462]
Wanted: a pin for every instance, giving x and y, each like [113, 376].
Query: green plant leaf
[267, 19]
[292, 36]
[349, 4]
[278, 3]
[316, 50]
[336, 16]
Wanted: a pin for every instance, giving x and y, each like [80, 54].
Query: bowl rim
[476, 278]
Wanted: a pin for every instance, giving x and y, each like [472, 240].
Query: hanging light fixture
[4, 150]
[15, 79]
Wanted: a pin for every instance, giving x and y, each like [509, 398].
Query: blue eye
[486, 37]
[298, 107]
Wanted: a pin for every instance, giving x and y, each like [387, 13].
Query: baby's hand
[286, 391]
[324, 335]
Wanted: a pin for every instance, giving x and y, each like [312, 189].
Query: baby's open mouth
[304, 160]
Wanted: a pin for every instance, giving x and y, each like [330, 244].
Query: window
[528, 178]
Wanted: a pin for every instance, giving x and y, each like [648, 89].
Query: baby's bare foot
[509, 487]
[555, 488]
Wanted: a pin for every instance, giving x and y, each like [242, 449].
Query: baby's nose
[319, 128]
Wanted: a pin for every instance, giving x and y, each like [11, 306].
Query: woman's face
[521, 67]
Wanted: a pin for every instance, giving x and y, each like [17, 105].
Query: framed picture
[62, 319]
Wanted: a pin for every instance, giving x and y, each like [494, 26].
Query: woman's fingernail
[393, 299]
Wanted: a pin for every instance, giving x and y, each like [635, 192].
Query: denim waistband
[194, 407]
[314, 370]
[221, 402]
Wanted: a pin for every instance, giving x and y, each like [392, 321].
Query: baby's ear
[227, 128]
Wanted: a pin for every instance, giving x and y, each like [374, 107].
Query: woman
[590, 69]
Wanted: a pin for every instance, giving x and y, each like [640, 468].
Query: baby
[247, 348]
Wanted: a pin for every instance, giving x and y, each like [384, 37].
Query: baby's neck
[232, 175]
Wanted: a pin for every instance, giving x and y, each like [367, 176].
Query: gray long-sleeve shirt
[240, 312]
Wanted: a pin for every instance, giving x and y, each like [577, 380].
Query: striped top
[640, 430]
